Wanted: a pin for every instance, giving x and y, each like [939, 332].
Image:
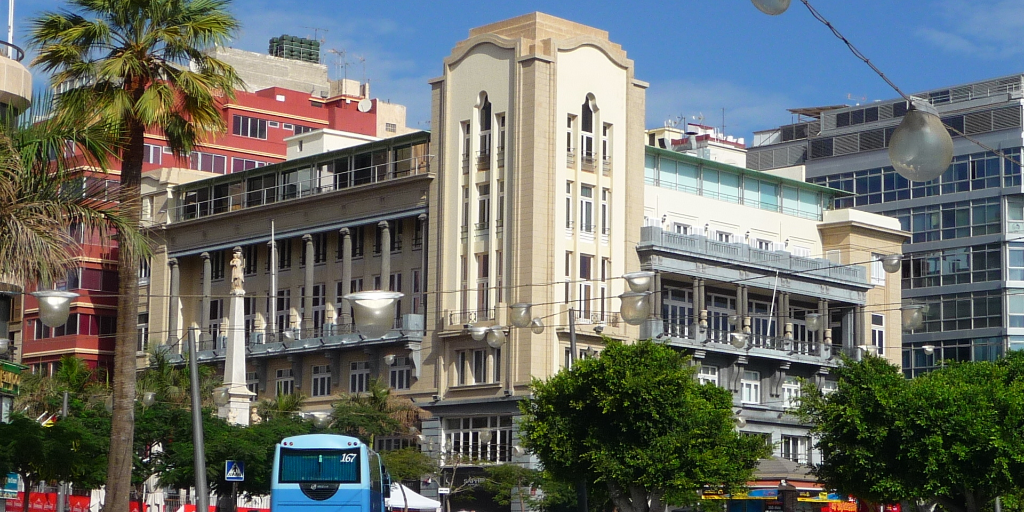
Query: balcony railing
[500, 157]
[606, 165]
[321, 184]
[570, 158]
[596, 317]
[483, 160]
[471, 316]
[588, 161]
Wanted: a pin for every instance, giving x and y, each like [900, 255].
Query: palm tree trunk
[122, 423]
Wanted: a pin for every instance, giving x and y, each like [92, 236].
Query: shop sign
[10, 488]
[10, 378]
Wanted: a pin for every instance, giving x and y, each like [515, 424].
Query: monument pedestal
[235, 408]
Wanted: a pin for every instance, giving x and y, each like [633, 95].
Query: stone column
[307, 297]
[236, 408]
[861, 335]
[204, 313]
[271, 329]
[173, 304]
[385, 255]
[345, 313]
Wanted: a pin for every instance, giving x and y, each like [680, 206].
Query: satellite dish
[364, 105]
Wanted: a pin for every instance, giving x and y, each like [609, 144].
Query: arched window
[485, 114]
[588, 117]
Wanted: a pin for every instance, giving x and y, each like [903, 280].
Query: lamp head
[519, 314]
[537, 326]
[478, 332]
[813, 321]
[635, 307]
[54, 306]
[148, 398]
[221, 396]
[921, 148]
[486, 436]
[5, 345]
[891, 263]
[495, 336]
[771, 7]
[738, 340]
[373, 311]
[389, 359]
[928, 349]
[913, 316]
[639, 281]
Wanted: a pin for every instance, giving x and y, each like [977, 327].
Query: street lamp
[813, 321]
[478, 332]
[891, 263]
[913, 316]
[373, 312]
[921, 148]
[5, 345]
[639, 281]
[495, 336]
[54, 306]
[537, 326]
[635, 307]
[519, 314]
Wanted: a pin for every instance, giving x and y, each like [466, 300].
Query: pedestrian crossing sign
[234, 471]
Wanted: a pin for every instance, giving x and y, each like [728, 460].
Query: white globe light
[5, 345]
[321, 419]
[771, 7]
[221, 396]
[891, 263]
[148, 398]
[639, 281]
[495, 336]
[537, 326]
[54, 306]
[813, 321]
[913, 316]
[373, 311]
[486, 436]
[519, 315]
[635, 307]
[921, 149]
[478, 332]
[738, 340]
[389, 359]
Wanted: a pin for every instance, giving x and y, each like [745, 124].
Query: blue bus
[338, 473]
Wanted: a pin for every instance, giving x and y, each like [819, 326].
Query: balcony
[470, 316]
[570, 158]
[483, 160]
[500, 157]
[193, 203]
[606, 165]
[588, 161]
[689, 335]
[734, 257]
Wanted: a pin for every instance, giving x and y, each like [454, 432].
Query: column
[236, 408]
[307, 297]
[173, 304]
[271, 329]
[860, 332]
[345, 313]
[385, 255]
[204, 309]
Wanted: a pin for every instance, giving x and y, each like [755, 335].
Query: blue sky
[698, 56]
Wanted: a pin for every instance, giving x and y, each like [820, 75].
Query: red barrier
[47, 502]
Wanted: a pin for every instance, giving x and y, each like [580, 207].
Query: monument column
[233, 397]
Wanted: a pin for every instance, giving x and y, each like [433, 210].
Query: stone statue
[254, 417]
[237, 275]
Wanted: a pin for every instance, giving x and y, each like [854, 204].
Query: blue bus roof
[321, 441]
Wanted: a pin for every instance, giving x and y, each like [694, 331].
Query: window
[153, 154]
[244, 164]
[723, 236]
[829, 386]
[321, 384]
[795, 448]
[319, 300]
[605, 213]
[400, 373]
[707, 375]
[471, 366]
[750, 388]
[284, 310]
[764, 245]
[319, 249]
[586, 209]
[568, 205]
[285, 382]
[144, 271]
[299, 129]
[390, 127]
[585, 285]
[250, 255]
[358, 241]
[251, 127]
[681, 229]
[877, 272]
[791, 392]
[359, 376]
[209, 162]
[878, 332]
[483, 210]
[252, 383]
[249, 316]
[462, 438]
[142, 328]
[216, 317]
[284, 254]
[216, 265]
[394, 231]
[417, 287]
[483, 284]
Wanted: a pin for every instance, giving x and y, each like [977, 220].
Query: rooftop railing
[323, 182]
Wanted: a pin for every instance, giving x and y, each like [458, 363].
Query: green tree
[41, 195]
[375, 412]
[141, 64]
[636, 419]
[511, 483]
[954, 436]
[408, 464]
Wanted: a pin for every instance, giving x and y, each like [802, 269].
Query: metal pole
[572, 337]
[202, 495]
[62, 487]
[272, 313]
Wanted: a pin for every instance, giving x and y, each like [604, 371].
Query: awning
[416, 500]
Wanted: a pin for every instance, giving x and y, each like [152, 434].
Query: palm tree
[142, 66]
[41, 195]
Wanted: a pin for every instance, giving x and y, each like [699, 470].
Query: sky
[722, 61]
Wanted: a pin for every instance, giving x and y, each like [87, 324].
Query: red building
[257, 125]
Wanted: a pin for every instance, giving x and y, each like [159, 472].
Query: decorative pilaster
[173, 303]
[385, 255]
[307, 297]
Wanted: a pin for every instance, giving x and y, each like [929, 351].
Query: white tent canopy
[416, 500]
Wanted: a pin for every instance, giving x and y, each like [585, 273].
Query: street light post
[202, 495]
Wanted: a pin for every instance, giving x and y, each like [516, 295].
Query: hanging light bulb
[486, 436]
[495, 336]
[478, 332]
[5, 345]
[148, 398]
[771, 7]
[519, 314]
[891, 263]
[913, 316]
[221, 396]
[639, 281]
[921, 149]
[813, 321]
[373, 311]
[537, 326]
[635, 307]
[54, 306]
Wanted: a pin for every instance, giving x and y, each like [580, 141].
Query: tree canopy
[954, 436]
[636, 419]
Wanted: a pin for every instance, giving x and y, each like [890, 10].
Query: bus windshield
[319, 466]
